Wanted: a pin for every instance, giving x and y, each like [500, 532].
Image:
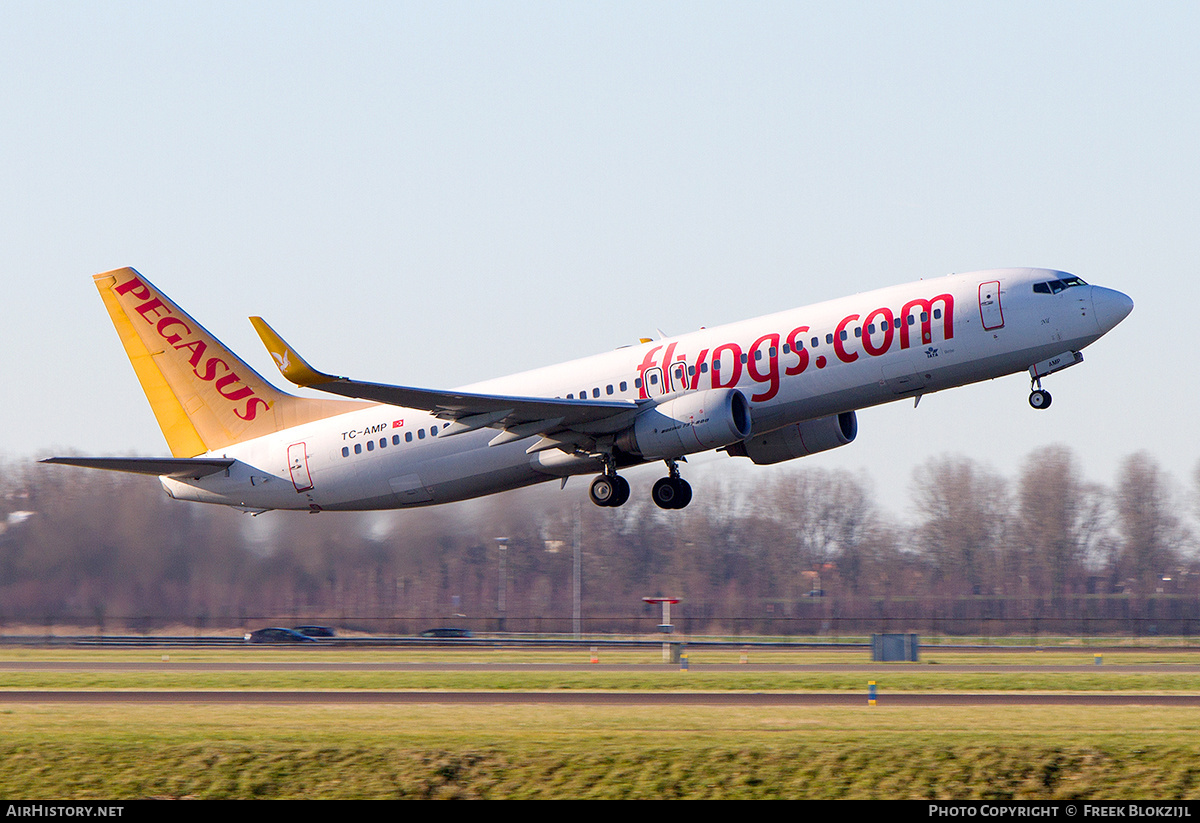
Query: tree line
[796, 550]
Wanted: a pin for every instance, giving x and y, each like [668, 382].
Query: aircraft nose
[1110, 306]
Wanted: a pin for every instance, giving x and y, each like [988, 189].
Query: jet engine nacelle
[799, 439]
[688, 424]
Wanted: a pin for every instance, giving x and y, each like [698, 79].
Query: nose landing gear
[1039, 399]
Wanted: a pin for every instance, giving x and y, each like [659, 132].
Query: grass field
[116, 751]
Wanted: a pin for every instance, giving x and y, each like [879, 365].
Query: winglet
[291, 365]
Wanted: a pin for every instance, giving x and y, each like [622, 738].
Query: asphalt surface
[322, 666]
[582, 697]
[577, 698]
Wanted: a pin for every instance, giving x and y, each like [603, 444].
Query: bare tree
[827, 520]
[965, 523]
[1060, 520]
[1150, 534]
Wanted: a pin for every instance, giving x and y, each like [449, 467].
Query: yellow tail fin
[203, 395]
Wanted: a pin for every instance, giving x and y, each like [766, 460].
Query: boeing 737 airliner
[770, 389]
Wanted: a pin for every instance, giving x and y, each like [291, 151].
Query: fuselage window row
[383, 441]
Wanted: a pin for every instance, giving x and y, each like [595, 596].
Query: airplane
[771, 389]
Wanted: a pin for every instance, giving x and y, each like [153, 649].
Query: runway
[779, 668]
[748, 699]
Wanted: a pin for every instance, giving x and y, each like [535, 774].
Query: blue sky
[436, 193]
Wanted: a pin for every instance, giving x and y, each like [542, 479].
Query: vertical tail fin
[203, 395]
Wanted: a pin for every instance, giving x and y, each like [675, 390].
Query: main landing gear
[610, 489]
[671, 492]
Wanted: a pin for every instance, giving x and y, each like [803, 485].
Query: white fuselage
[791, 366]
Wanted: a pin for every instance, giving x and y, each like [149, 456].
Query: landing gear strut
[671, 492]
[611, 490]
[1039, 398]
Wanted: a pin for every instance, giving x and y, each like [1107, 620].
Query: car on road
[447, 633]
[315, 631]
[278, 635]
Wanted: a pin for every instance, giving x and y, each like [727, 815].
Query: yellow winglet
[291, 365]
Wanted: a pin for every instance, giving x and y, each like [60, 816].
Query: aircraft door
[298, 467]
[990, 311]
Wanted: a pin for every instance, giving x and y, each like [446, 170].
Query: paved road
[323, 666]
[593, 698]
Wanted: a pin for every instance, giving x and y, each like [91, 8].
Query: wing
[563, 424]
[178, 467]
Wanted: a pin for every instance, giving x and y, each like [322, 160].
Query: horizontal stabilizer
[177, 467]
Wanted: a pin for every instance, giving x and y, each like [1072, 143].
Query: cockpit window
[1055, 286]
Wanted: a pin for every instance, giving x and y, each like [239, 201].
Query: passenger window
[433, 431]
[608, 389]
[637, 382]
[420, 434]
[358, 448]
[595, 392]
[395, 440]
[345, 451]
[624, 385]
[370, 445]
[408, 437]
